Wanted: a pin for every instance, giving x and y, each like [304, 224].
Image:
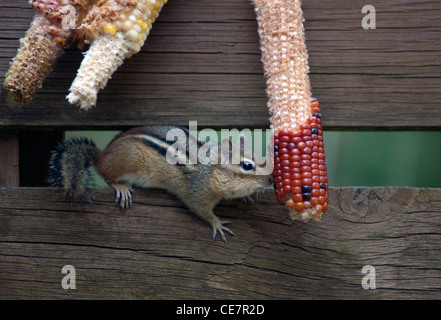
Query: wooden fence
[202, 62]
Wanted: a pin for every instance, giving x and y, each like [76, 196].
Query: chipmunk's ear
[226, 147]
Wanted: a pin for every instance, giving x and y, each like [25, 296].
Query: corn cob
[41, 47]
[115, 29]
[299, 173]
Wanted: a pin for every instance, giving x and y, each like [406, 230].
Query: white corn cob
[115, 29]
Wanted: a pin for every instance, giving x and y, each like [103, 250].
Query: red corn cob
[300, 176]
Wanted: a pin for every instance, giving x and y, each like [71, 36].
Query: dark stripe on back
[160, 149]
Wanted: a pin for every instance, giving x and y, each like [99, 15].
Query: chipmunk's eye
[247, 166]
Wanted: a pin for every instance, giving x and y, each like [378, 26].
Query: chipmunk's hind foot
[123, 195]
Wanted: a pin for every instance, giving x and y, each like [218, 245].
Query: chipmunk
[146, 157]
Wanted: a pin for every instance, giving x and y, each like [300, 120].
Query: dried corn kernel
[300, 175]
[110, 29]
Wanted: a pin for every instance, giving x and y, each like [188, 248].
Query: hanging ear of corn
[300, 175]
[115, 29]
[42, 45]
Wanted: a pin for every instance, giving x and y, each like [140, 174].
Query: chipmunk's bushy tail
[69, 168]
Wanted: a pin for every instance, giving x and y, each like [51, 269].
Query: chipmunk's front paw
[218, 226]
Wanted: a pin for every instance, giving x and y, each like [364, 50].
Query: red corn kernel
[297, 198]
[299, 206]
[296, 176]
[306, 132]
[315, 193]
[307, 138]
[284, 169]
[314, 200]
[289, 203]
[286, 175]
[297, 183]
[284, 139]
[301, 145]
[295, 164]
[305, 157]
[294, 170]
[307, 181]
[306, 175]
[296, 190]
[294, 152]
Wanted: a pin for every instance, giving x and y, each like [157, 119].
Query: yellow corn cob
[299, 162]
[42, 46]
[115, 29]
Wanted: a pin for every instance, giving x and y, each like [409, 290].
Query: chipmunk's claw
[123, 196]
[221, 228]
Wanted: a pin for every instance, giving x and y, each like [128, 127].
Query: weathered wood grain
[202, 62]
[156, 250]
[9, 159]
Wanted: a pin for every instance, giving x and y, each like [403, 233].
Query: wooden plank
[9, 170]
[156, 250]
[202, 62]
